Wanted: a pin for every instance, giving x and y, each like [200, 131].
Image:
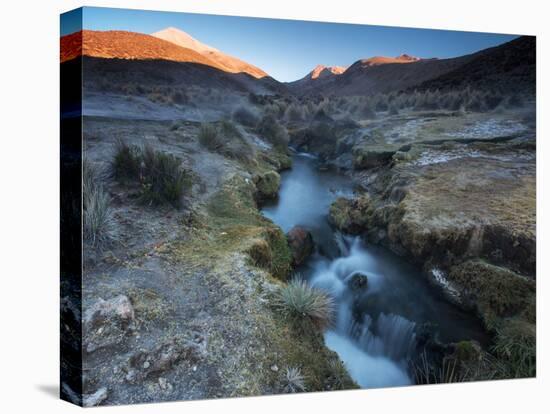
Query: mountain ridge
[226, 62]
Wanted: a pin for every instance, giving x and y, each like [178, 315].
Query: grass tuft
[162, 179]
[97, 214]
[299, 300]
[293, 381]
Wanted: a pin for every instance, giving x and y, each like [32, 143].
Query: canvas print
[259, 206]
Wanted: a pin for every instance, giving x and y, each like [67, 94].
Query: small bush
[162, 179]
[227, 140]
[209, 137]
[126, 164]
[367, 111]
[273, 131]
[298, 299]
[293, 381]
[295, 113]
[96, 207]
[245, 116]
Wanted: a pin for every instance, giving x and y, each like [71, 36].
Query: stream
[375, 330]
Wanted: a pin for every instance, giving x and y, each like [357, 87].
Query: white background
[29, 206]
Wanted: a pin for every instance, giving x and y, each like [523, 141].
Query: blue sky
[288, 49]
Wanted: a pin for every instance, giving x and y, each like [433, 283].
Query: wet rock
[163, 357]
[267, 185]
[106, 322]
[301, 244]
[351, 215]
[357, 281]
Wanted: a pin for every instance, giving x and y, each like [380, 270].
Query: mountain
[182, 39]
[126, 45]
[384, 60]
[222, 60]
[321, 78]
[321, 71]
[510, 67]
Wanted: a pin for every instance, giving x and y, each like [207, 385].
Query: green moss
[267, 185]
[368, 156]
[303, 346]
[496, 292]
[351, 215]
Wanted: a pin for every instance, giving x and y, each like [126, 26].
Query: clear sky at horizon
[289, 49]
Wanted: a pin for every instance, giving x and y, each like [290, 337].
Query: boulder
[301, 244]
[106, 322]
[267, 185]
[357, 281]
[161, 358]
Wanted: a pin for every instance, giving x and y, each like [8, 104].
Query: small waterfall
[375, 349]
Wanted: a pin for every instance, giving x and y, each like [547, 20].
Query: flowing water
[376, 328]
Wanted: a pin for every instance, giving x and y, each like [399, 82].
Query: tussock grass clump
[96, 207]
[299, 299]
[293, 381]
[127, 161]
[209, 137]
[227, 140]
[516, 346]
[425, 373]
[162, 179]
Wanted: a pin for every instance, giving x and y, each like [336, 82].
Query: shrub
[367, 111]
[245, 116]
[126, 163]
[209, 137]
[162, 179]
[293, 381]
[393, 109]
[96, 207]
[298, 299]
[227, 140]
[273, 131]
[295, 113]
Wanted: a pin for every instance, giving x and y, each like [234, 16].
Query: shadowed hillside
[508, 67]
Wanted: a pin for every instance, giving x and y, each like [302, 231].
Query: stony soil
[203, 323]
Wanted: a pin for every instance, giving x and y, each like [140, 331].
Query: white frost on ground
[438, 157]
[441, 280]
[407, 130]
[490, 128]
